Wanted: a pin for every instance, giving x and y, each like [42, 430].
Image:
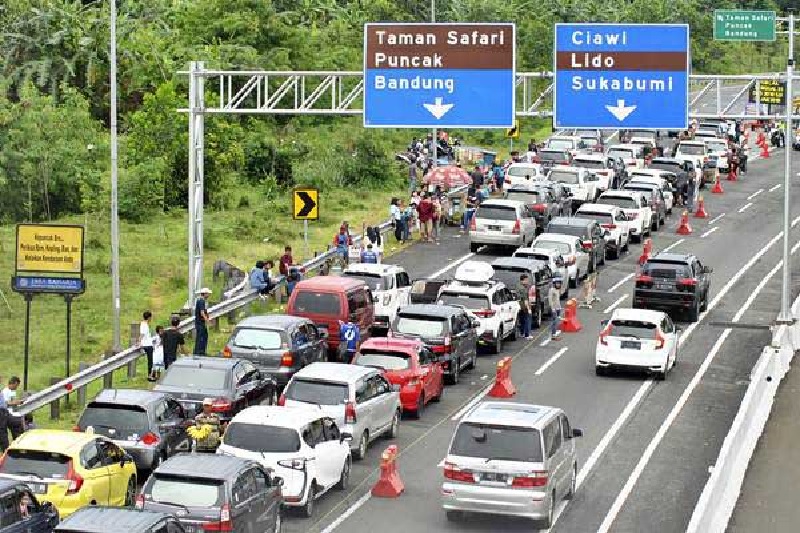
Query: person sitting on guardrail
[257, 281]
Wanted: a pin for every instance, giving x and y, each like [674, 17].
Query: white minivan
[390, 285]
[615, 223]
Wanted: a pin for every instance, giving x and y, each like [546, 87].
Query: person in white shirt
[15, 423]
[158, 354]
[146, 341]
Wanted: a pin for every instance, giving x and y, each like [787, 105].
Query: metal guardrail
[108, 365]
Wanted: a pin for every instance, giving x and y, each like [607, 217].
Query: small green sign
[740, 25]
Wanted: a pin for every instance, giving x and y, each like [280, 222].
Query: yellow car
[71, 470]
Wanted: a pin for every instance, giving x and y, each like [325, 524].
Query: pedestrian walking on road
[554, 298]
[201, 320]
[173, 341]
[15, 423]
[146, 341]
[525, 314]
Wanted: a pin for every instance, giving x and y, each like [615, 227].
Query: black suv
[447, 330]
[509, 269]
[21, 513]
[114, 519]
[673, 282]
[591, 234]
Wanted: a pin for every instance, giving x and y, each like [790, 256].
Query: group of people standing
[424, 212]
[162, 348]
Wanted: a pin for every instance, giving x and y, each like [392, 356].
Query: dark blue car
[20, 512]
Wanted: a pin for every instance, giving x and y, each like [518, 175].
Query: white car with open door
[615, 225]
[637, 339]
[659, 178]
[301, 445]
[633, 204]
[571, 249]
[550, 257]
[597, 164]
[390, 285]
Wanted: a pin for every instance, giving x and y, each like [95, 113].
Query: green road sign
[740, 25]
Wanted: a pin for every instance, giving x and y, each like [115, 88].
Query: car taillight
[75, 480]
[604, 335]
[563, 162]
[221, 405]
[350, 413]
[643, 280]
[609, 226]
[226, 352]
[659, 341]
[224, 523]
[454, 473]
[485, 313]
[140, 501]
[587, 245]
[472, 224]
[282, 399]
[149, 439]
[440, 348]
[539, 208]
[535, 479]
[687, 284]
[287, 359]
[76, 429]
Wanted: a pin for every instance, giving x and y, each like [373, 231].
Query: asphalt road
[647, 447]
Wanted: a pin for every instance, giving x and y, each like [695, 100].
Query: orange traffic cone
[389, 485]
[503, 387]
[684, 228]
[764, 150]
[701, 209]
[717, 189]
[647, 249]
[732, 174]
[570, 323]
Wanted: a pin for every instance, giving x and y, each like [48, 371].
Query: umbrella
[447, 177]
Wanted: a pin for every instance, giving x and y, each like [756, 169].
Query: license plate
[189, 528]
[631, 345]
[493, 477]
[663, 286]
[493, 228]
[38, 488]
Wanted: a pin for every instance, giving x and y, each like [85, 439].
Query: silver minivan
[502, 223]
[359, 399]
[511, 459]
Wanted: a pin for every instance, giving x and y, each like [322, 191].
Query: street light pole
[114, 211]
[785, 316]
[435, 143]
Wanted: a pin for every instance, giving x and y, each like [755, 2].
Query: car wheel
[420, 406]
[513, 335]
[536, 321]
[473, 247]
[654, 226]
[130, 493]
[453, 377]
[363, 444]
[308, 509]
[439, 394]
[694, 312]
[394, 429]
[344, 477]
[498, 344]
[704, 307]
[661, 376]
[573, 483]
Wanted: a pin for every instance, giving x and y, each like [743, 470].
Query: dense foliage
[54, 90]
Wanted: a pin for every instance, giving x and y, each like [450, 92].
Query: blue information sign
[621, 76]
[48, 284]
[439, 75]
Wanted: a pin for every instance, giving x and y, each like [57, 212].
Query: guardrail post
[82, 390]
[108, 379]
[134, 339]
[214, 323]
[55, 405]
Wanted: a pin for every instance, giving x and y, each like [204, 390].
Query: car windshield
[548, 155]
[36, 464]
[718, 146]
[602, 218]
[422, 326]
[384, 360]
[643, 134]
[619, 201]
[692, 149]
[497, 442]
[560, 247]
[659, 269]
[258, 339]
[590, 140]
[632, 328]
[195, 377]
[124, 420]
[672, 167]
[376, 282]
[260, 438]
[561, 144]
[470, 301]
[639, 186]
[617, 154]
[529, 197]
[319, 303]
[561, 176]
[317, 392]
[509, 275]
[496, 212]
[185, 491]
[521, 172]
[589, 163]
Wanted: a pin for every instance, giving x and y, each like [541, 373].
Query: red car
[407, 363]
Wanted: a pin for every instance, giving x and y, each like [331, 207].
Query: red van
[327, 300]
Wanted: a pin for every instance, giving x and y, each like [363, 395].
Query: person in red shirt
[425, 212]
[286, 261]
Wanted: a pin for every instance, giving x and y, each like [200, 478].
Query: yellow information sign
[513, 133]
[305, 203]
[49, 248]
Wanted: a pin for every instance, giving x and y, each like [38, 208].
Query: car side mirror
[125, 460]
[577, 432]
[277, 481]
[346, 437]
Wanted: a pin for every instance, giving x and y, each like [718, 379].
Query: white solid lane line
[472, 403]
[615, 304]
[545, 342]
[715, 219]
[759, 191]
[775, 187]
[745, 207]
[673, 245]
[618, 284]
[452, 265]
[552, 360]
[349, 511]
[709, 232]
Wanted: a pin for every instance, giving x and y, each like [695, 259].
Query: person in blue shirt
[343, 244]
[349, 338]
[201, 320]
[257, 281]
[369, 255]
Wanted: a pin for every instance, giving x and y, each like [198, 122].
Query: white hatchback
[391, 288]
[633, 204]
[571, 249]
[637, 339]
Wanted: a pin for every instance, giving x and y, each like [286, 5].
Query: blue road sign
[48, 284]
[621, 76]
[439, 75]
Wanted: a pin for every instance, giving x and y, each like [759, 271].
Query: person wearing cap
[554, 298]
[209, 418]
[201, 320]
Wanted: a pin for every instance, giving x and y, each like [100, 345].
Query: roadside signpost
[439, 75]
[305, 207]
[50, 259]
[612, 76]
[741, 25]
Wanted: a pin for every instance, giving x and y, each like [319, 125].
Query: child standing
[158, 354]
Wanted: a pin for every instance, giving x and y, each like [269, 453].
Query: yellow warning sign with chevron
[513, 133]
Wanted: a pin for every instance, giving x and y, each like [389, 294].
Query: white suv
[580, 182]
[390, 285]
[615, 223]
[492, 303]
[633, 204]
[300, 444]
[596, 164]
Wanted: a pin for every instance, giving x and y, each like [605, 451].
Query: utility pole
[785, 316]
[435, 132]
[114, 212]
